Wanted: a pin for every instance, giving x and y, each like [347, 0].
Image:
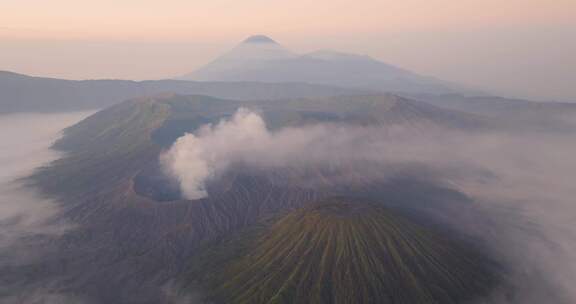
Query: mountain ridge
[23, 93]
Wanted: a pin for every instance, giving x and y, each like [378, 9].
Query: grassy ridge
[343, 252]
[104, 149]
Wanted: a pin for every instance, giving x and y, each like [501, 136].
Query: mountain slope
[188, 112]
[345, 250]
[252, 51]
[516, 114]
[263, 60]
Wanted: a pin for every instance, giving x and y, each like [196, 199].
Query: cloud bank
[26, 139]
[27, 218]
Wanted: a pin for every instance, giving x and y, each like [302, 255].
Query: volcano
[135, 233]
[261, 59]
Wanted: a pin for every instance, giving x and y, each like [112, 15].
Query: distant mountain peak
[260, 59]
[259, 39]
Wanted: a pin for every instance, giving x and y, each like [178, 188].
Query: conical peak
[259, 39]
[344, 248]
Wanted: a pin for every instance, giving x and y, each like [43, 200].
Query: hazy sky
[516, 47]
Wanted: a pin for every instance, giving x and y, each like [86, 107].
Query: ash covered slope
[22, 93]
[347, 250]
[260, 58]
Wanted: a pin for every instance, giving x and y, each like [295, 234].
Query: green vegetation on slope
[105, 148]
[339, 251]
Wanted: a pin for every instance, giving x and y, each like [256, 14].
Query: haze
[521, 48]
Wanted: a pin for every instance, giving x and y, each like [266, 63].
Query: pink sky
[478, 42]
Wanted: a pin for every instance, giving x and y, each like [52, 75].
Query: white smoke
[197, 157]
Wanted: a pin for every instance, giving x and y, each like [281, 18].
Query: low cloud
[25, 145]
[27, 218]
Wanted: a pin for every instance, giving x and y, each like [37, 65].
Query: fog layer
[25, 215]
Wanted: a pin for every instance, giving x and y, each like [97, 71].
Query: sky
[518, 48]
